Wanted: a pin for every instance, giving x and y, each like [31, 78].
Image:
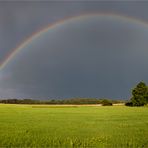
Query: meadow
[73, 126]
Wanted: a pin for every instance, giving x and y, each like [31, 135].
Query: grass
[65, 127]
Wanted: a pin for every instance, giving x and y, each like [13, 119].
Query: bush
[129, 104]
[106, 102]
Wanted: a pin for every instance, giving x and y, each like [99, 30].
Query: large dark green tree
[140, 95]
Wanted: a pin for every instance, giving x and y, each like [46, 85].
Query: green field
[83, 126]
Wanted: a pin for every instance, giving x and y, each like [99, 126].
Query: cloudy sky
[101, 56]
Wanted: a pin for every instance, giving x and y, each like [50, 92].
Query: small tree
[140, 95]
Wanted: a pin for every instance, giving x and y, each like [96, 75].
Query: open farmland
[73, 126]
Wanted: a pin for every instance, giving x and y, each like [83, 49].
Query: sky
[101, 56]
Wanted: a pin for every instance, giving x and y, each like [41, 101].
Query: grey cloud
[96, 58]
[92, 57]
[19, 19]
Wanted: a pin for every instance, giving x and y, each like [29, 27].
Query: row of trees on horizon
[63, 101]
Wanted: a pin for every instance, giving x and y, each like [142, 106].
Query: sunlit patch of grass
[54, 106]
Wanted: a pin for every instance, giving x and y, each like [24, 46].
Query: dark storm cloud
[96, 58]
[18, 20]
[92, 57]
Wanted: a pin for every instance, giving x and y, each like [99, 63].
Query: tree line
[63, 101]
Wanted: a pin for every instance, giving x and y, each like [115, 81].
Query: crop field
[73, 126]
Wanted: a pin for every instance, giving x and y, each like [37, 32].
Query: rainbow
[36, 34]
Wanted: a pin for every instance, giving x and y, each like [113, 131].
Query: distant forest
[63, 101]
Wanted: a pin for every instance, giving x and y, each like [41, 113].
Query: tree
[140, 95]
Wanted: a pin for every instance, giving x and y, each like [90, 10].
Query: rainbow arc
[36, 34]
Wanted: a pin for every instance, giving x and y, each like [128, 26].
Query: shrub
[129, 104]
[106, 102]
